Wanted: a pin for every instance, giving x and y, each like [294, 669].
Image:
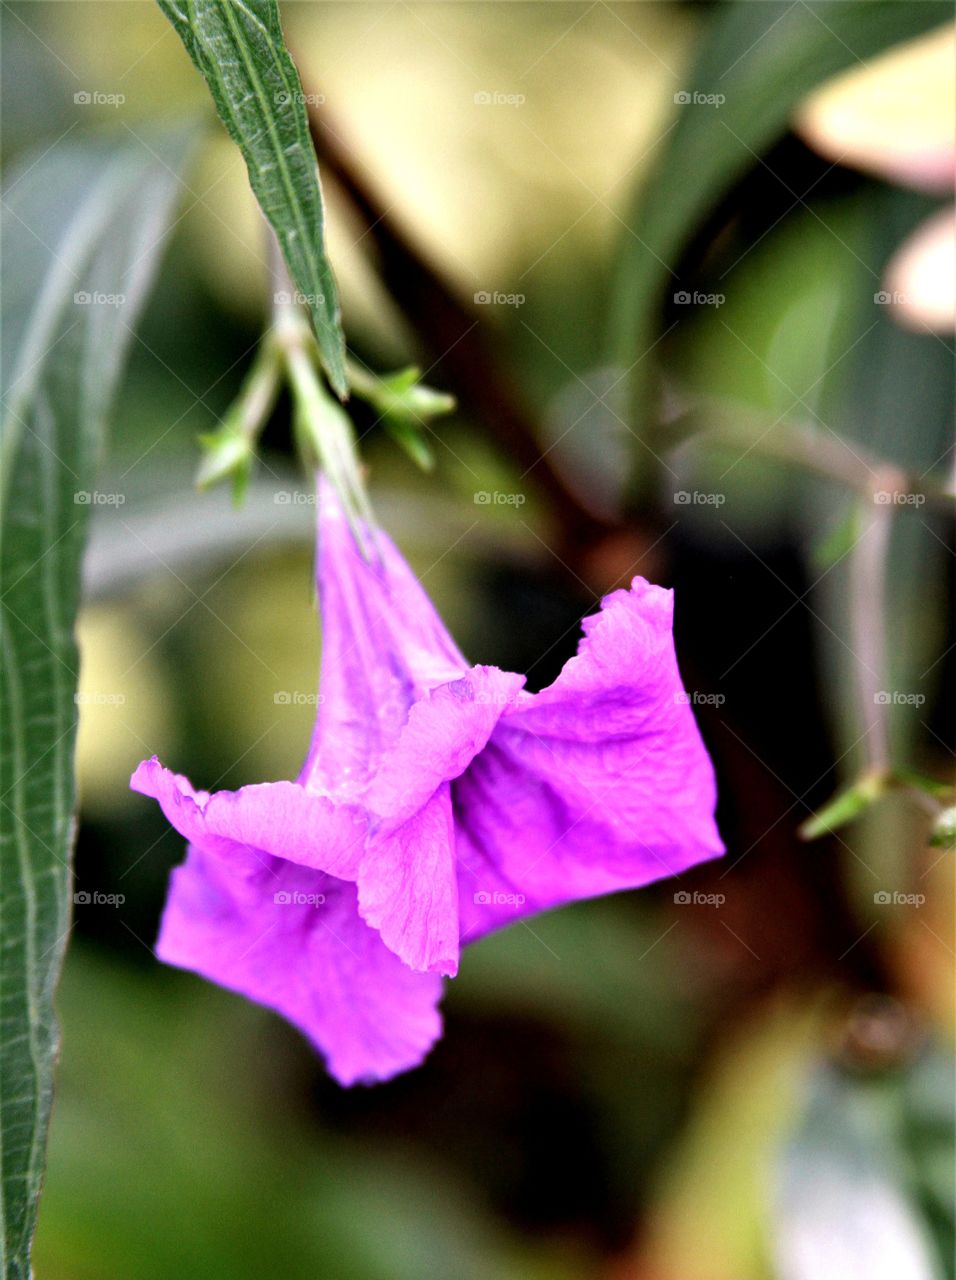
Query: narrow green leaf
[82, 227]
[410, 438]
[405, 406]
[846, 805]
[922, 782]
[229, 451]
[757, 63]
[855, 799]
[239, 48]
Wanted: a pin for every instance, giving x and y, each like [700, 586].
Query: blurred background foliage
[635, 1088]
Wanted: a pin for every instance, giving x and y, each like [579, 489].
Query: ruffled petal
[292, 939]
[278, 818]
[383, 645]
[600, 782]
[407, 885]
[408, 890]
[622, 682]
[444, 731]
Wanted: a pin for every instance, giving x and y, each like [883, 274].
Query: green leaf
[846, 805]
[408, 437]
[228, 454]
[405, 406]
[239, 48]
[760, 60]
[922, 782]
[82, 227]
[229, 451]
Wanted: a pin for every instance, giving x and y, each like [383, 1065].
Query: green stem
[324, 430]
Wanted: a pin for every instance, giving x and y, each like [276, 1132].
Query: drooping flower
[438, 801]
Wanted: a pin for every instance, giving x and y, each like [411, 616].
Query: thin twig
[867, 606]
[804, 445]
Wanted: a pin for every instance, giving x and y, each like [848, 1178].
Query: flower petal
[408, 890]
[278, 818]
[600, 782]
[407, 886]
[292, 939]
[383, 644]
[444, 731]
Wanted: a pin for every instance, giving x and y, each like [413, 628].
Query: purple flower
[438, 801]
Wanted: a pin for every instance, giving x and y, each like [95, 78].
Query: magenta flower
[438, 801]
